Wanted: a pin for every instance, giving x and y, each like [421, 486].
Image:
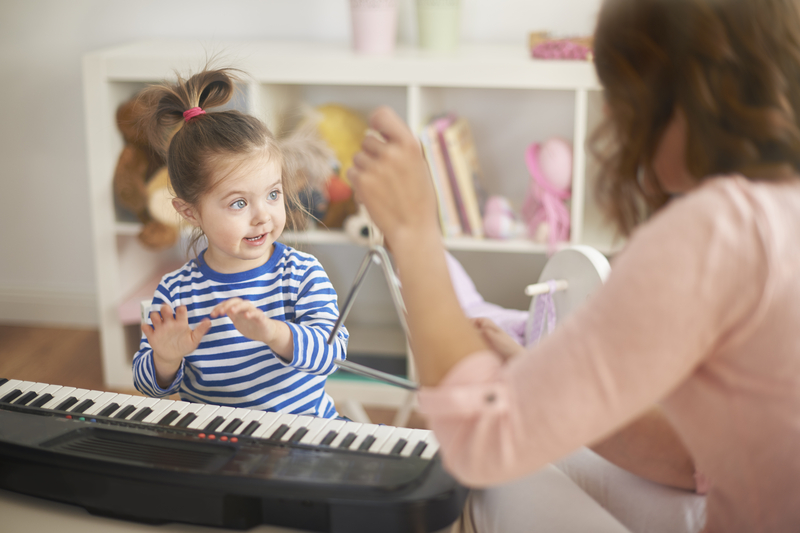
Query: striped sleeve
[316, 312]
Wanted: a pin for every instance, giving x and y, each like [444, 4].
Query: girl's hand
[390, 177]
[172, 339]
[251, 322]
[498, 340]
[247, 318]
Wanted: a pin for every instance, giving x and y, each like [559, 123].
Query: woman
[698, 315]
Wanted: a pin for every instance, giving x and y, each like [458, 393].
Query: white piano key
[224, 412]
[344, 431]
[415, 437]
[10, 385]
[381, 436]
[148, 402]
[50, 389]
[203, 415]
[101, 402]
[33, 387]
[59, 396]
[272, 423]
[159, 410]
[81, 395]
[363, 432]
[391, 440]
[332, 425]
[432, 448]
[313, 427]
[134, 401]
[22, 387]
[239, 413]
[247, 418]
[300, 421]
[122, 400]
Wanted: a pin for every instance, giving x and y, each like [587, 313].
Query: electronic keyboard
[155, 461]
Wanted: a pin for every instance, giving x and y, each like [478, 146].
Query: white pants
[583, 492]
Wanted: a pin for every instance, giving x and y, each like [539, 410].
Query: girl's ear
[186, 210]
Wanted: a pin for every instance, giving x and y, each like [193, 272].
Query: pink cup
[374, 26]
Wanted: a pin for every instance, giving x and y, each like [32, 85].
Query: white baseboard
[40, 307]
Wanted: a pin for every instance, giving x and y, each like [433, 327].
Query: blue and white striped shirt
[230, 369]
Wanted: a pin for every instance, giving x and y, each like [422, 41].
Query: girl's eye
[239, 204]
[273, 195]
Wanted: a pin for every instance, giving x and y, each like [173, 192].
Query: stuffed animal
[544, 211]
[343, 129]
[499, 219]
[137, 164]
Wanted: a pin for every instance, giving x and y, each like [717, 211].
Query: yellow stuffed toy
[342, 129]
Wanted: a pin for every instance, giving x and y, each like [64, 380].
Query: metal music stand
[375, 255]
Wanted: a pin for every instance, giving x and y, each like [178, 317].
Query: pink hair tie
[193, 112]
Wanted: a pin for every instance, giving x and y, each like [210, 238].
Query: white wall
[46, 265]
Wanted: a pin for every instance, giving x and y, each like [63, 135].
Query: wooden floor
[71, 357]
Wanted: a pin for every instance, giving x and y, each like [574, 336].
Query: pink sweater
[701, 313]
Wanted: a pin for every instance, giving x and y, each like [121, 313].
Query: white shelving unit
[509, 99]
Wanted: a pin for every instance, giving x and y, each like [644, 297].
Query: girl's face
[242, 214]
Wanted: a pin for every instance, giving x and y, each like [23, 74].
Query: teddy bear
[137, 164]
[343, 129]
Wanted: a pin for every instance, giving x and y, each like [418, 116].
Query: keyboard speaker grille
[143, 450]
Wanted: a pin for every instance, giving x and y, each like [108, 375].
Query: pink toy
[499, 219]
[544, 211]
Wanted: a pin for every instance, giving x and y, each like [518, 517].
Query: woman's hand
[251, 322]
[390, 177]
[172, 339]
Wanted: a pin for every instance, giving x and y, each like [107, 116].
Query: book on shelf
[448, 212]
[440, 125]
[466, 176]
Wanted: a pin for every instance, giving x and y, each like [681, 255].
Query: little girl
[245, 323]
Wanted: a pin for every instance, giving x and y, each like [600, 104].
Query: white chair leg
[404, 412]
[353, 410]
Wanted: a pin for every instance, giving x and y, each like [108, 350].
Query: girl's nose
[260, 215]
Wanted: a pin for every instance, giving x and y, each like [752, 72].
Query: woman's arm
[391, 178]
[647, 447]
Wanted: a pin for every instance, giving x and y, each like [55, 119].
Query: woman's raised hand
[390, 177]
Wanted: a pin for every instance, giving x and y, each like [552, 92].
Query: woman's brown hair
[732, 67]
[194, 148]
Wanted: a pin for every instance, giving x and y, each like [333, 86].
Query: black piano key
[329, 438]
[280, 432]
[84, 405]
[298, 435]
[109, 409]
[26, 398]
[168, 418]
[11, 396]
[142, 414]
[128, 409]
[398, 447]
[231, 427]
[3, 381]
[66, 404]
[348, 440]
[366, 443]
[187, 419]
[419, 448]
[214, 424]
[41, 400]
[250, 428]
